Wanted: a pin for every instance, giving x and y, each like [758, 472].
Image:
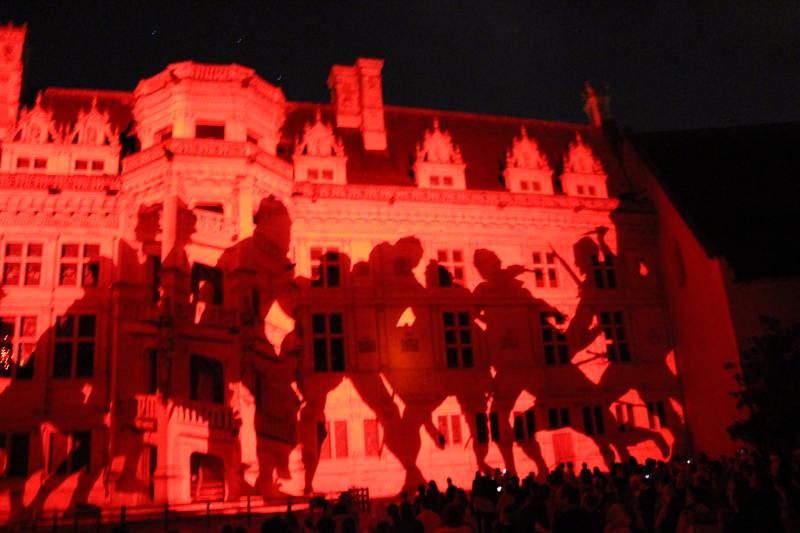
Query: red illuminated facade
[210, 291]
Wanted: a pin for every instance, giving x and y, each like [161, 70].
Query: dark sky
[670, 65]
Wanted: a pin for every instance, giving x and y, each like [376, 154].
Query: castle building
[210, 291]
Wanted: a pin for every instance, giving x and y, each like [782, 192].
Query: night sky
[670, 65]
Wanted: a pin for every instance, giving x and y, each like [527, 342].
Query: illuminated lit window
[17, 346]
[16, 448]
[372, 444]
[73, 355]
[556, 349]
[656, 416]
[487, 426]
[449, 430]
[625, 417]
[614, 332]
[593, 421]
[79, 263]
[458, 339]
[69, 452]
[206, 380]
[558, 417]
[452, 271]
[332, 445]
[604, 275]
[22, 263]
[524, 425]
[544, 269]
[209, 131]
[328, 342]
[325, 267]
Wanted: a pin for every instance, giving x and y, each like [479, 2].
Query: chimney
[596, 105]
[357, 95]
[12, 41]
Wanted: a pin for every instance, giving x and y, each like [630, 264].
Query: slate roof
[66, 103]
[738, 189]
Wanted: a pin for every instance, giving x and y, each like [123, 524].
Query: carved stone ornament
[437, 147]
[581, 160]
[93, 127]
[524, 153]
[319, 140]
[36, 125]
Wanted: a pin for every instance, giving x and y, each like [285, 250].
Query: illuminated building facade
[210, 291]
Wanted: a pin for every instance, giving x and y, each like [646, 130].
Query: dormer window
[583, 174]
[439, 164]
[527, 170]
[94, 128]
[209, 131]
[319, 157]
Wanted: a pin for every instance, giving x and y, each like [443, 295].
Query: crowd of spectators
[744, 493]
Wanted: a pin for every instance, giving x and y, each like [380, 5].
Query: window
[625, 416]
[320, 175]
[22, 264]
[325, 267]
[481, 427]
[69, 452]
[209, 131]
[328, 342]
[163, 134]
[591, 191]
[16, 448]
[453, 271]
[614, 332]
[544, 269]
[556, 349]
[152, 371]
[372, 445]
[449, 430]
[656, 416]
[593, 422]
[458, 339]
[17, 346]
[258, 387]
[154, 277]
[40, 163]
[558, 417]
[81, 164]
[332, 445]
[604, 276]
[23, 162]
[98, 165]
[74, 347]
[206, 380]
[524, 425]
[79, 262]
[525, 186]
[207, 284]
[441, 181]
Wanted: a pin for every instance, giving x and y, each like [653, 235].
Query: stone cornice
[59, 182]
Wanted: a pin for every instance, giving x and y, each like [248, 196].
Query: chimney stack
[357, 95]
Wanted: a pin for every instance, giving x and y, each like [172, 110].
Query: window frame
[24, 260]
[326, 263]
[20, 342]
[458, 346]
[84, 262]
[331, 338]
[614, 325]
[75, 341]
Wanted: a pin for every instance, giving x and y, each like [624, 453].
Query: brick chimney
[357, 96]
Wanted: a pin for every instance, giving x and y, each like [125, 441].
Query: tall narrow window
[17, 346]
[332, 444]
[458, 339]
[604, 275]
[206, 380]
[79, 263]
[524, 425]
[207, 284]
[328, 342]
[625, 416]
[544, 269]
[558, 417]
[615, 338]
[656, 416]
[16, 448]
[482, 435]
[449, 429]
[593, 422]
[74, 346]
[556, 349]
[453, 263]
[325, 267]
[69, 452]
[372, 447]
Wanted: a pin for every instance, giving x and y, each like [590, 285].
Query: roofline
[459, 114]
[80, 91]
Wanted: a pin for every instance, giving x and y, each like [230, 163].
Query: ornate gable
[320, 155]
[583, 174]
[36, 125]
[527, 170]
[439, 164]
[93, 127]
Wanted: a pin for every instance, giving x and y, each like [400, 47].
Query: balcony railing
[204, 414]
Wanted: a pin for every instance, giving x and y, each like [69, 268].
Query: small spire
[435, 123]
[318, 115]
